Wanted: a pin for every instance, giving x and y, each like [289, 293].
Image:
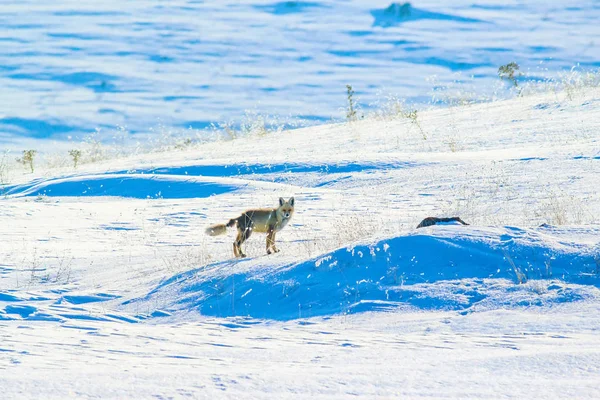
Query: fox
[267, 220]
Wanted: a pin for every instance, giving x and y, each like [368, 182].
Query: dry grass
[186, 258]
[119, 143]
[35, 268]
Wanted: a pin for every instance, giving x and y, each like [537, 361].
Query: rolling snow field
[69, 67]
[111, 289]
[152, 120]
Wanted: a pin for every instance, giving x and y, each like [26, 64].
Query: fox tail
[220, 229]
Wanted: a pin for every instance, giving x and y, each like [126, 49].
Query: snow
[71, 67]
[525, 354]
[109, 287]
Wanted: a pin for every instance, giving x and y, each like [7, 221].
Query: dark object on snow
[435, 220]
[545, 225]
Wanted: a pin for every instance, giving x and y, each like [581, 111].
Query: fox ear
[291, 201]
[281, 201]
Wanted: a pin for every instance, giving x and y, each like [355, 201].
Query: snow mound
[436, 268]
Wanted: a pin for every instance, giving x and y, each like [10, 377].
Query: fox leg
[275, 249]
[271, 242]
[237, 244]
[241, 238]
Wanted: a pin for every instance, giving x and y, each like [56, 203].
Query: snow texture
[70, 67]
[109, 287]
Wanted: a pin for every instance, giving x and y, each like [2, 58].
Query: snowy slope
[457, 269]
[109, 287]
[69, 67]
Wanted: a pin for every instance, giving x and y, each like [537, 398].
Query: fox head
[286, 208]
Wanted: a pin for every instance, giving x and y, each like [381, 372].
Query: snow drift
[443, 267]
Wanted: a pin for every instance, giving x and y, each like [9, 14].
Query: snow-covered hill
[110, 288]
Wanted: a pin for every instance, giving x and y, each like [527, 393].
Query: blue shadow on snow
[397, 13]
[252, 169]
[289, 7]
[131, 186]
[33, 127]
